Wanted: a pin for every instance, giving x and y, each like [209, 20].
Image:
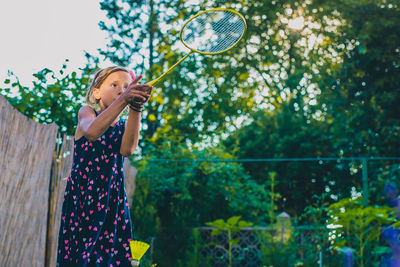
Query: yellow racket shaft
[153, 82]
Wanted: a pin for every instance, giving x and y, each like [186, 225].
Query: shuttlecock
[138, 249]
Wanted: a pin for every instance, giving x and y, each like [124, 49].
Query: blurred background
[283, 151]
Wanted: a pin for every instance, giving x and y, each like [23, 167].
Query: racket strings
[213, 32]
[221, 37]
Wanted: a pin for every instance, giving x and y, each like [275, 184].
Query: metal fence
[265, 246]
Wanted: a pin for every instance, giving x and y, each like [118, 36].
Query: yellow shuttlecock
[138, 249]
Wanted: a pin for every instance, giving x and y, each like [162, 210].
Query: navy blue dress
[96, 227]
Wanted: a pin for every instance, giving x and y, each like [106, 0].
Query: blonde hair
[100, 76]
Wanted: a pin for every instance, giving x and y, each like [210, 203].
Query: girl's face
[112, 88]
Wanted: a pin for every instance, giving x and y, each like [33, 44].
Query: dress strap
[95, 112]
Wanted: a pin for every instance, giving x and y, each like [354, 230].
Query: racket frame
[211, 10]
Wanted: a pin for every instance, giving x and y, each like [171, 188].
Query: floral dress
[96, 227]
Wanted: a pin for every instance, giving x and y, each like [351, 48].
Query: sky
[43, 33]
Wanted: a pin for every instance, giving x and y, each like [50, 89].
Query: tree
[344, 115]
[54, 96]
[360, 97]
[287, 134]
[204, 95]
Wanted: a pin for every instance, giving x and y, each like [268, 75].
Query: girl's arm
[93, 127]
[130, 139]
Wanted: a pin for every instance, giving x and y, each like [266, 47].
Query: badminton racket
[210, 32]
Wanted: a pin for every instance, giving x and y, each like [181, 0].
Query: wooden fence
[34, 160]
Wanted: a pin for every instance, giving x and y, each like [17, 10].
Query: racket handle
[153, 82]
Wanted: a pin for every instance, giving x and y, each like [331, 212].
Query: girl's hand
[137, 92]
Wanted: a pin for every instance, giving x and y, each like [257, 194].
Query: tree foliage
[53, 97]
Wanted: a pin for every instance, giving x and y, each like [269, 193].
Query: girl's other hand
[137, 92]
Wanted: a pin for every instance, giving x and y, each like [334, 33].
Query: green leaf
[233, 220]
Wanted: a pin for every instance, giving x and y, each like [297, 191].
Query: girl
[95, 227]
